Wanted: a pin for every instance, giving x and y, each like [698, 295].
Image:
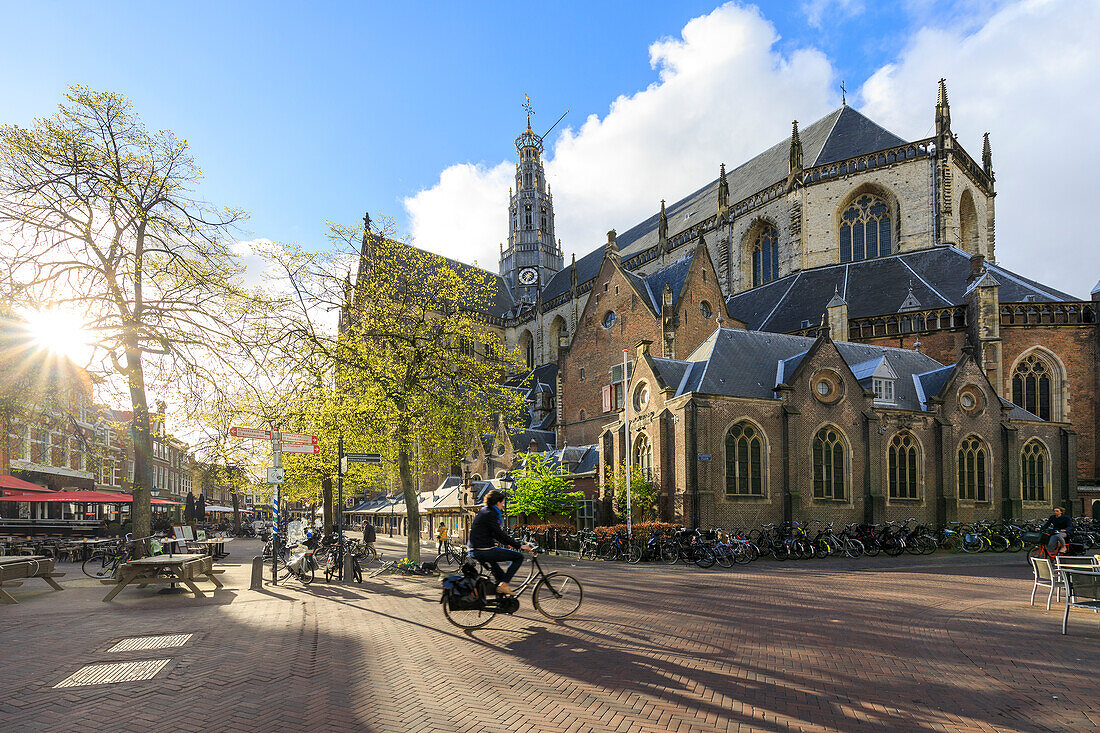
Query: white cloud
[1028, 76]
[815, 10]
[722, 94]
[465, 215]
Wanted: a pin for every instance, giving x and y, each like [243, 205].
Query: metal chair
[1082, 591]
[1045, 577]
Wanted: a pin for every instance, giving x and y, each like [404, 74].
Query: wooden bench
[18, 567]
[163, 570]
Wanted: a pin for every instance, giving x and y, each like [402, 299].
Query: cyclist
[1059, 525]
[486, 532]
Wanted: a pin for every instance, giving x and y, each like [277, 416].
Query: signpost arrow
[299, 438]
[256, 433]
[358, 458]
[299, 448]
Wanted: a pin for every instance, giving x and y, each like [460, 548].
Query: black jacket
[1058, 524]
[485, 531]
[369, 534]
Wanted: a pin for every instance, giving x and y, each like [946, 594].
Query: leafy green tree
[100, 215]
[415, 362]
[541, 489]
[643, 495]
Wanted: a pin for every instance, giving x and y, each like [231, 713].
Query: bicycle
[554, 595]
[106, 561]
[451, 556]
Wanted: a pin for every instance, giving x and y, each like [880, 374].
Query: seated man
[486, 532]
[1059, 525]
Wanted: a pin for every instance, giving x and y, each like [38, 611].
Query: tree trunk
[141, 510]
[5, 458]
[326, 497]
[236, 512]
[408, 488]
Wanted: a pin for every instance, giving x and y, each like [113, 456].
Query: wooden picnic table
[166, 569]
[15, 567]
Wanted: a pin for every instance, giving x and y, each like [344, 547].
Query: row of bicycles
[817, 539]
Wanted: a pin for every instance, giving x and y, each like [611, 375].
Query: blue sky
[305, 113]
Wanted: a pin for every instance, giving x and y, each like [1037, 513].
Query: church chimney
[611, 250]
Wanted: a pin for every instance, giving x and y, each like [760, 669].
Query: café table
[165, 569]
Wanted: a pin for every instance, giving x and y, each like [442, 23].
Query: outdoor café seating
[15, 568]
[1082, 591]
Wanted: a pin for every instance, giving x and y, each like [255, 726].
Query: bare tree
[101, 215]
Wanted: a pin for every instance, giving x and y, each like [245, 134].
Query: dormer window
[884, 390]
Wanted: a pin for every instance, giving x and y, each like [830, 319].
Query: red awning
[18, 484]
[89, 497]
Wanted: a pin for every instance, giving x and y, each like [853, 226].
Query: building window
[618, 383]
[865, 229]
[704, 308]
[902, 466]
[765, 256]
[1033, 473]
[583, 416]
[641, 397]
[828, 461]
[527, 216]
[884, 390]
[744, 461]
[609, 319]
[972, 469]
[643, 457]
[586, 514]
[1031, 383]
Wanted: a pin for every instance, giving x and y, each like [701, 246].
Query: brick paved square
[907, 644]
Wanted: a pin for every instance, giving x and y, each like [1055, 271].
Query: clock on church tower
[528, 276]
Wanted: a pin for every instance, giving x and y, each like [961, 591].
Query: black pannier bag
[460, 593]
[1031, 538]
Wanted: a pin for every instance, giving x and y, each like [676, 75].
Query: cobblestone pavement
[907, 644]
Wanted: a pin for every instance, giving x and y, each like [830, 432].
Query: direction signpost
[345, 459]
[280, 443]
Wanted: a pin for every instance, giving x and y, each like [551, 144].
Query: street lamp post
[467, 466]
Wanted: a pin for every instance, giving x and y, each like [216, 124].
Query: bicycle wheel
[670, 552]
[305, 575]
[724, 555]
[557, 595]
[853, 548]
[633, 554]
[972, 543]
[702, 556]
[97, 566]
[998, 543]
[470, 619]
[445, 558]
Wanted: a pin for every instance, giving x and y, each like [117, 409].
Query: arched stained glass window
[828, 460]
[972, 469]
[1031, 386]
[744, 461]
[765, 256]
[865, 229]
[1033, 471]
[902, 466]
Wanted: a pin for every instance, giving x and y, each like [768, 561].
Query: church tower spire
[723, 192]
[987, 157]
[532, 254]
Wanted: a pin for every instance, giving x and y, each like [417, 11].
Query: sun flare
[59, 331]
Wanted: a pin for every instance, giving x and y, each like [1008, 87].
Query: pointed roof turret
[943, 112]
[987, 157]
[837, 298]
[794, 159]
[573, 275]
[723, 192]
[662, 230]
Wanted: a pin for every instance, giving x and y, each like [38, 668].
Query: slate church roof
[841, 134]
[738, 363]
[875, 287]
